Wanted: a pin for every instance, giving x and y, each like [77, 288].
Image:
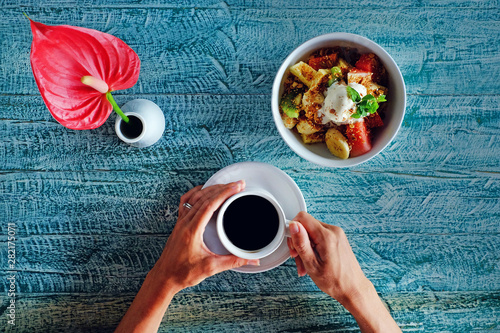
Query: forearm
[369, 311]
[146, 311]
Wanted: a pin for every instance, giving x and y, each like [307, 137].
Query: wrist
[362, 295]
[150, 303]
[369, 311]
[162, 282]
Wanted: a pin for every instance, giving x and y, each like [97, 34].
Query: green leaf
[369, 99]
[353, 94]
[368, 105]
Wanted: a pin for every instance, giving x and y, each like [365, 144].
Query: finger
[302, 244]
[195, 196]
[301, 270]
[185, 198]
[209, 192]
[198, 198]
[298, 262]
[221, 263]
[314, 228]
[293, 252]
[211, 204]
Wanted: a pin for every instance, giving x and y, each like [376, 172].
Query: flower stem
[116, 107]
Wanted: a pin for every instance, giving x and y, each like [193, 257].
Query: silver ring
[187, 205]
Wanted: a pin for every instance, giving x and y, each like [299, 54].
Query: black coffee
[132, 129]
[251, 222]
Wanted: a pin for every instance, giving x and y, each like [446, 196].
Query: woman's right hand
[323, 251]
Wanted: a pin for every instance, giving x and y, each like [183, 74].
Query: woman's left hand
[186, 260]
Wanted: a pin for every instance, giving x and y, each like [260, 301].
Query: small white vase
[146, 120]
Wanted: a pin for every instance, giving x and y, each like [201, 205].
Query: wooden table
[91, 214]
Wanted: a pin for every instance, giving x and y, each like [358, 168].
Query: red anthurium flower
[77, 68]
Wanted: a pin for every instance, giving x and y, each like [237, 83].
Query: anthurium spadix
[76, 69]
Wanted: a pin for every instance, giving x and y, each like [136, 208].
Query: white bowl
[395, 109]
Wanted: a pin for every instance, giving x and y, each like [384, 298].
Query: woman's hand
[186, 260]
[323, 252]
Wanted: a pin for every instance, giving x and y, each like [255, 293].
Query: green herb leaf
[381, 98]
[369, 99]
[368, 105]
[353, 94]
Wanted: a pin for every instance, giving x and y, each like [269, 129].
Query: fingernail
[253, 262]
[294, 228]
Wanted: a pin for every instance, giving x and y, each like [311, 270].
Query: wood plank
[122, 202]
[440, 134]
[393, 262]
[224, 50]
[239, 312]
[283, 4]
[93, 214]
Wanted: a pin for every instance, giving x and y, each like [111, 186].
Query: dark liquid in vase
[132, 129]
[251, 222]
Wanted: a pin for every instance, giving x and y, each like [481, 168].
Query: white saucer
[271, 179]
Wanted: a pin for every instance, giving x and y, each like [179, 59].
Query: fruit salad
[336, 98]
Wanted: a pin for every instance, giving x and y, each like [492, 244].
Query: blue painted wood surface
[92, 214]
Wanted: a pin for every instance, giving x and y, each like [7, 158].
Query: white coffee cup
[282, 232]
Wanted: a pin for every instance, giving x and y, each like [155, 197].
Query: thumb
[302, 244]
[226, 262]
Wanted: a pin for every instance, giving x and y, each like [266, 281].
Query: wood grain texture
[276, 312]
[393, 262]
[92, 214]
[441, 135]
[239, 4]
[220, 50]
[100, 202]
